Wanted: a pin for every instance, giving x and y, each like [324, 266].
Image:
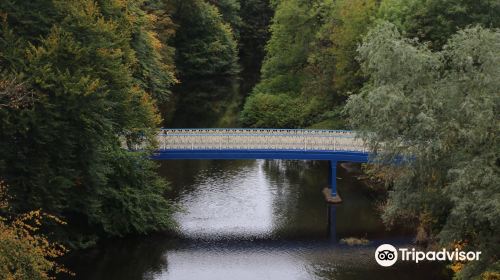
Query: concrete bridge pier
[330, 192]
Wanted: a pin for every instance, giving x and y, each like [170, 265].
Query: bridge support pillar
[333, 177]
[330, 193]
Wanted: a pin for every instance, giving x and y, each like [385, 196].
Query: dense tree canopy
[310, 62]
[91, 95]
[292, 60]
[311, 55]
[441, 110]
[352, 19]
[434, 21]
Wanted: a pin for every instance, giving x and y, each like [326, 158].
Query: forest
[81, 80]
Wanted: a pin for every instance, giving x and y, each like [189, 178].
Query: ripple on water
[255, 220]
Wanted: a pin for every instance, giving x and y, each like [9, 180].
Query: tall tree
[66, 153]
[205, 44]
[439, 110]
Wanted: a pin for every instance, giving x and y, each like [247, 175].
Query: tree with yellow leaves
[24, 252]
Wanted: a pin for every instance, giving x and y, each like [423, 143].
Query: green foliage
[436, 20]
[311, 58]
[312, 49]
[205, 43]
[155, 58]
[351, 21]
[266, 110]
[206, 59]
[230, 11]
[64, 153]
[292, 61]
[134, 200]
[292, 30]
[441, 109]
[30, 19]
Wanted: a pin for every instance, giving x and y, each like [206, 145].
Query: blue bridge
[293, 144]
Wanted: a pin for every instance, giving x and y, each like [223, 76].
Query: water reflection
[233, 263]
[256, 220]
[228, 204]
[332, 222]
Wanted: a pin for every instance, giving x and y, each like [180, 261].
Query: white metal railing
[259, 139]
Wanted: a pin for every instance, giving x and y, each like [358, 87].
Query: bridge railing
[259, 139]
[255, 131]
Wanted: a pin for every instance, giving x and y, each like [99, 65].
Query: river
[256, 220]
[252, 219]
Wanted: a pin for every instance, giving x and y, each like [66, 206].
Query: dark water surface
[256, 220]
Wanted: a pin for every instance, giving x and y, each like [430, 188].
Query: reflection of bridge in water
[295, 144]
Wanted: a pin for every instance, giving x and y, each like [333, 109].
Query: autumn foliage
[25, 253]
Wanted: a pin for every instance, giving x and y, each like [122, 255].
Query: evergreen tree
[230, 11]
[206, 46]
[151, 34]
[66, 154]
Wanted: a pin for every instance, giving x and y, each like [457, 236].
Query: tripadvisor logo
[387, 255]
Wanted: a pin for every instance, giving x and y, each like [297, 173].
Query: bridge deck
[278, 140]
